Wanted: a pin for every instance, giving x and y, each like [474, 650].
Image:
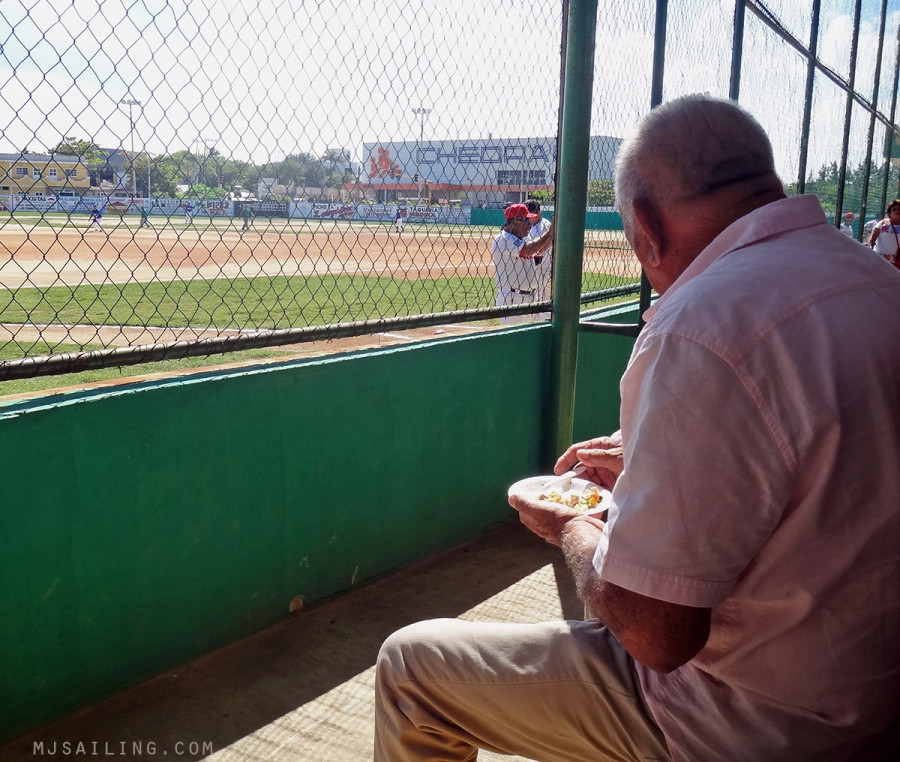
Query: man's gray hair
[689, 148]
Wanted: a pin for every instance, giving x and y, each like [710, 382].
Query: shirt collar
[770, 220]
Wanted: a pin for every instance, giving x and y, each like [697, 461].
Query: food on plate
[581, 499]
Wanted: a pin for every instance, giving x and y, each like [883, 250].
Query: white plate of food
[581, 494]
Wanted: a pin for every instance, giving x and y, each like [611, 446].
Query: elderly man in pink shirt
[746, 583]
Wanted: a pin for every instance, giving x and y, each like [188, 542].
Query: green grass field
[262, 302]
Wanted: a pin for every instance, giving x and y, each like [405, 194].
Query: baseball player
[246, 216]
[188, 213]
[847, 224]
[513, 267]
[96, 219]
[398, 220]
[543, 264]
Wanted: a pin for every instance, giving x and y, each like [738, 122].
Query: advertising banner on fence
[171, 207]
[33, 203]
[216, 208]
[78, 204]
[333, 211]
[381, 212]
[384, 212]
[421, 213]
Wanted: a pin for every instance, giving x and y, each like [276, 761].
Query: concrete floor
[302, 690]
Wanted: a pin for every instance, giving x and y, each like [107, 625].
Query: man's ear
[650, 225]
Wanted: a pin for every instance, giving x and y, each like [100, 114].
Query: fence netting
[193, 177]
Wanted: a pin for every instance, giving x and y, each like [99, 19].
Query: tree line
[210, 174]
[825, 185]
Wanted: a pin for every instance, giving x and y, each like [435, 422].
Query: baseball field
[64, 285]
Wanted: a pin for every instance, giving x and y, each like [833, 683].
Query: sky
[263, 79]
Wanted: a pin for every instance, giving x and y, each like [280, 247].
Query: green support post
[571, 202]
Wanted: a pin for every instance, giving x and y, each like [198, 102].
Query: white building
[482, 172]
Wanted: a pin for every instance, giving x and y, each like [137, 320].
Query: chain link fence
[188, 177]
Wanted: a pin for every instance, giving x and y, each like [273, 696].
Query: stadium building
[489, 172]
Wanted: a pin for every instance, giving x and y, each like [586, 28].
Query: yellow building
[43, 175]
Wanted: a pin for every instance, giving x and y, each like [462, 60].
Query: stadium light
[131, 102]
[423, 112]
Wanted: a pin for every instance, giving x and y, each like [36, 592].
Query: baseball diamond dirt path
[44, 257]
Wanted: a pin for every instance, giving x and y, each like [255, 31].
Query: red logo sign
[383, 167]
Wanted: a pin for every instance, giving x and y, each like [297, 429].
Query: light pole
[423, 112]
[131, 102]
[203, 145]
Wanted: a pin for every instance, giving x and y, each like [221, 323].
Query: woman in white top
[885, 238]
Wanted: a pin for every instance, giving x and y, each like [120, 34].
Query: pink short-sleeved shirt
[760, 418]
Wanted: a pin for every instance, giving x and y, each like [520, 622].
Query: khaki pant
[552, 691]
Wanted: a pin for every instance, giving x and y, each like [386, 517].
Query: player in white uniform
[543, 264]
[847, 224]
[513, 267]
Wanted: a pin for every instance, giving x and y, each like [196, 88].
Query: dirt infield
[42, 257]
[45, 257]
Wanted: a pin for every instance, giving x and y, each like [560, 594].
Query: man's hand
[602, 457]
[548, 520]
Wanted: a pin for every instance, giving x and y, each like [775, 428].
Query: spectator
[745, 584]
[868, 227]
[513, 269]
[885, 237]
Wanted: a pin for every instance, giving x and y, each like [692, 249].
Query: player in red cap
[513, 266]
[847, 224]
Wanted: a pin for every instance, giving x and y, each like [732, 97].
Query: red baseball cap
[850, 216]
[519, 211]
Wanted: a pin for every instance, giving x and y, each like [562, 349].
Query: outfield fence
[271, 147]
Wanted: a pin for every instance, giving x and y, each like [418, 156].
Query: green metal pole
[870, 139]
[659, 52]
[807, 99]
[848, 117]
[571, 202]
[889, 136]
[737, 50]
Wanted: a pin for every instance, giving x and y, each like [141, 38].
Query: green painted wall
[601, 361]
[148, 525]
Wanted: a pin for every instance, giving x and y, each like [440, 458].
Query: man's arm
[537, 246]
[660, 635]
